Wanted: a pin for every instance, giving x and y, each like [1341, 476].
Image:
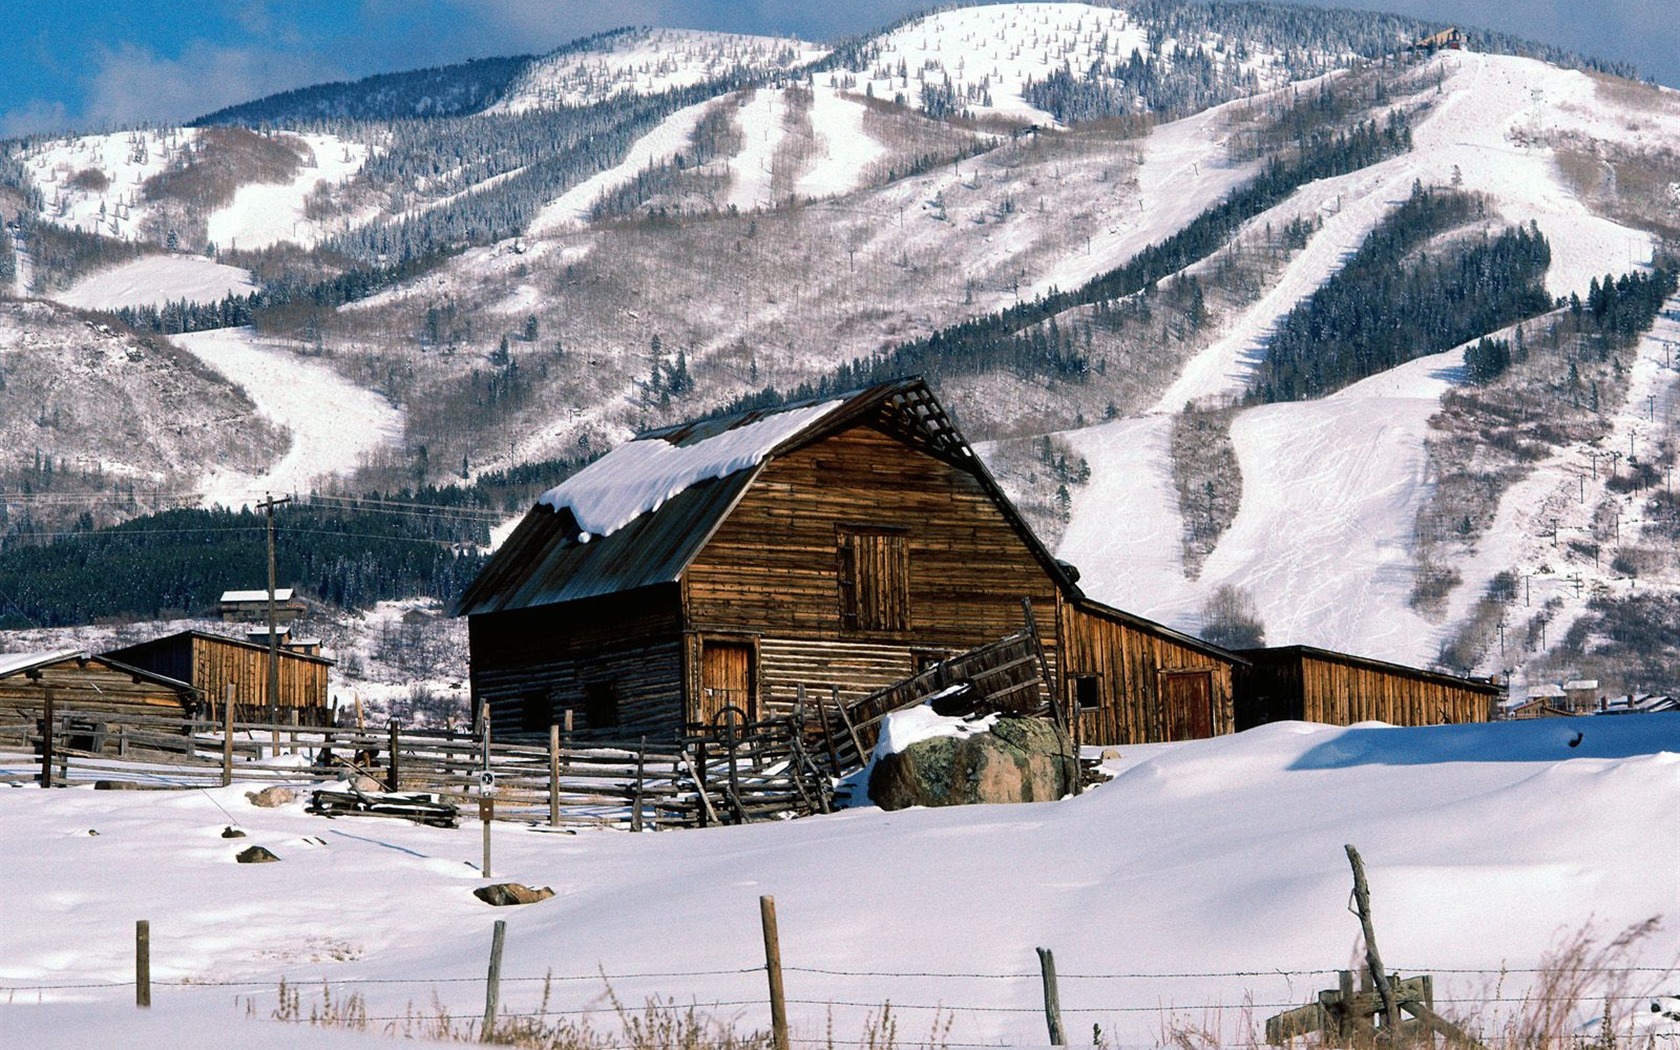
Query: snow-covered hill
[1331, 489]
[1488, 848]
[912, 182]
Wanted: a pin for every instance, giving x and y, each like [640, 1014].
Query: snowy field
[158, 279]
[1220, 858]
[262, 214]
[333, 422]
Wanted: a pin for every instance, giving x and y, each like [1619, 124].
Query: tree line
[1385, 307]
[1018, 339]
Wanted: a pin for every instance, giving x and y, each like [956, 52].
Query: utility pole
[268, 504]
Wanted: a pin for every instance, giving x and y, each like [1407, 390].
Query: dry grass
[1208, 479]
[660, 1024]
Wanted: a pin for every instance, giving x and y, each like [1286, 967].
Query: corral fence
[735, 772]
[730, 771]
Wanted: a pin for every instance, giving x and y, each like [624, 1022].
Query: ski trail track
[333, 423]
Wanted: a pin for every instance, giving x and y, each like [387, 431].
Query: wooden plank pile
[419, 807]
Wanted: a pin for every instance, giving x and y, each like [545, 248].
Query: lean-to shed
[213, 662]
[86, 684]
[1299, 682]
[842, 542]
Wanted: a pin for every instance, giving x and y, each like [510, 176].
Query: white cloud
[37, 116]
[132, 84]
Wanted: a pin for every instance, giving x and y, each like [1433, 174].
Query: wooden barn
[87, 684]
[1298, 682]
[252, 606]
[843, 543]
[212, 662]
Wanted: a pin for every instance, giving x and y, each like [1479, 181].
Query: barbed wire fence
[1096, 995]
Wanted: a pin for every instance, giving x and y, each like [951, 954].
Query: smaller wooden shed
[252, 606]
[212, 662]
[84, 683]
[1301, 683]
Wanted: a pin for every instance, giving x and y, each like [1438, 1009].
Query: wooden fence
[736, 774]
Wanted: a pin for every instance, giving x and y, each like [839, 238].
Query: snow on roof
[1576, 684]
[281, 594]
[1536, 692]
[642, 475]
[12, 663]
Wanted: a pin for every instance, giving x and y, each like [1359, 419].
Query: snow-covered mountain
[966, 193]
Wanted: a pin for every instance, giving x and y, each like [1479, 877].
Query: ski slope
[261, 215]
[1209, 857]
[1331, 488]
[157, 279]
[333, 423]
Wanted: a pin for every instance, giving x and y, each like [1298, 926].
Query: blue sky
[92, 63]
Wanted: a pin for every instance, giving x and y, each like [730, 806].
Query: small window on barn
[600, 705]
[1087, 692]
[536, 711]
[874, 577]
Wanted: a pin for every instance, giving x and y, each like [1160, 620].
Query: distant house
[837, 543]
[252, 606]
[1299, 682]
[87, 684]
[1451, 38]
[212, 663]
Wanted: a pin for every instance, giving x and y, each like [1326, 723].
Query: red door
[1187, 699]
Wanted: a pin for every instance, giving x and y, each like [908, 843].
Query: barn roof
[281, 594]
[1295, 652]
[178, 637]
[637, 516]
[22, 663]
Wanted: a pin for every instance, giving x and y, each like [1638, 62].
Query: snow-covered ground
[333, 423]
[156, 279]
[1485, 845]
[647, 62]
[261, 214]
[94, 181]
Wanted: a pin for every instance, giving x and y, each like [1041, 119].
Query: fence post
[493, 983]
[143, 963]
[48, 716]
[1052, 997]
[636, 803]
[773, 970]
[393, 780]
[227, 734]
[1373, 959]
[554, 774]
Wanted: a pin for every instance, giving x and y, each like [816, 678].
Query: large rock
[1020, 760]
[272, 797]
[503, 894]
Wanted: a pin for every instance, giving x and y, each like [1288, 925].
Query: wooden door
[727, 679]
[1187, 700]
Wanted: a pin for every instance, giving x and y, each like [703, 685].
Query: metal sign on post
[486, 811]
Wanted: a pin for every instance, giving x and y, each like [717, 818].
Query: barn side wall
[1342, 694]
[216, 664]
[1127, 661]
[550, 656]
[1288, 684]
[773, 567]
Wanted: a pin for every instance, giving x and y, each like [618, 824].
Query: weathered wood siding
[1128, 662]
[774, 567]
[553, 654]
[1291, 684]
[90, 686]
[216, 663]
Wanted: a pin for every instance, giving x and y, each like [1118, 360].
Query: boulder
[502, 894]
[272, 797]
[231, 832]
[1020, 760]
[256, 855]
